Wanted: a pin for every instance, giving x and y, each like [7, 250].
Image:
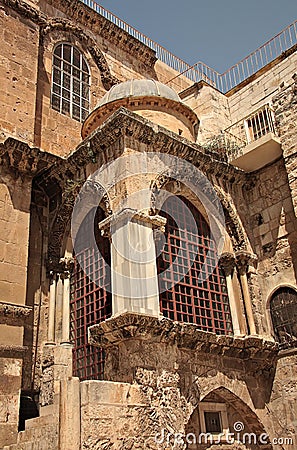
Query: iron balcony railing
[224, 82]
[249, 129]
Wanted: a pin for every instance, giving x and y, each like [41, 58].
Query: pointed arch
[239, 416]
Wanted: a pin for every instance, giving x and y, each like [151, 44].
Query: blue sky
[217, 32]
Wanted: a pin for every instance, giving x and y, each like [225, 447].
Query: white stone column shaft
[52, 310]
[66, 309]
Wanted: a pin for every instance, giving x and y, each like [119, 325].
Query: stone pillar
[242, 263]
[68, 263]
[52, 310]
[66, 309]
[69, 423]
[133, 261]
[227, 262]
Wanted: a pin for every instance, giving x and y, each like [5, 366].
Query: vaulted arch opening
[192, 285]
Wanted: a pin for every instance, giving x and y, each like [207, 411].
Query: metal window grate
[90, 301]
[283, 309]
[70, 82]
[202, 301]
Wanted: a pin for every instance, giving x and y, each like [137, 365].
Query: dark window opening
[213, 422]
[283, 309]
[28, 408]
[199, 296]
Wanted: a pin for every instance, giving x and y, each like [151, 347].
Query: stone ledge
[12, 314]
[13, 351]
[129, 326]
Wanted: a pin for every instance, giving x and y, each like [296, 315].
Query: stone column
[242, 263]
[133, 261]
[227, 262]
[52, 310]
[68, 265]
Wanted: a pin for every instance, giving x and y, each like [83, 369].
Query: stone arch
[238, 413]
[234, 227]
[269, 313]
[87, 40]
[60, 229]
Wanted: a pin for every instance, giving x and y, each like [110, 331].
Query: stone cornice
[12, 314]
[125, 124]
[254, 351]
[13, 351]
[146, 102]
[82, 14]
[22, 159]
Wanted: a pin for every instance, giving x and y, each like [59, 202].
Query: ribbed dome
[138, 88]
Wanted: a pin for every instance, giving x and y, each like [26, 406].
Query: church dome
[150, 99]
[138, 88]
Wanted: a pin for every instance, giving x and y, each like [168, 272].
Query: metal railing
[249, 129]
[224, 82]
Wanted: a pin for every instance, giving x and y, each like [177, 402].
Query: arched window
[189, 260]
[283, 310]
[70, 82]
[90, 295]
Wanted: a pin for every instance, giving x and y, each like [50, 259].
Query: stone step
[48, 410]
[42, 421]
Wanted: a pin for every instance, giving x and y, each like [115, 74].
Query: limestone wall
[10, 384]
[260, 91]
[15, 197]
[18, 76]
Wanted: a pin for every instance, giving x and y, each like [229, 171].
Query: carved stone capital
[127, 215]
[243, 260]
[227, 263]
[62, 268]
[67, 264]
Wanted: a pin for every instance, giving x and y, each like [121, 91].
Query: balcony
[252, 142]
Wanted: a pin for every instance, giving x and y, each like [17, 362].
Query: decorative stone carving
[115, 330]
[243, 260]
[127, 214]
[11, 314]
[227, 263]
[18, 157]
[19, 311]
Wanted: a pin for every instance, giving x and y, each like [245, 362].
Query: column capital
[227, 262]
[244, 259]
[129, 214]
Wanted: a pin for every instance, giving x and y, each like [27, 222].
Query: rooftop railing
[224, 82]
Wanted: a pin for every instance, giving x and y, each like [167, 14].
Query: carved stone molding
[255, 351]
[21, 159]
[12, 314]
[80, 13]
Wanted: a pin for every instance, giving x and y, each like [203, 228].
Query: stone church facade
[148, 246]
